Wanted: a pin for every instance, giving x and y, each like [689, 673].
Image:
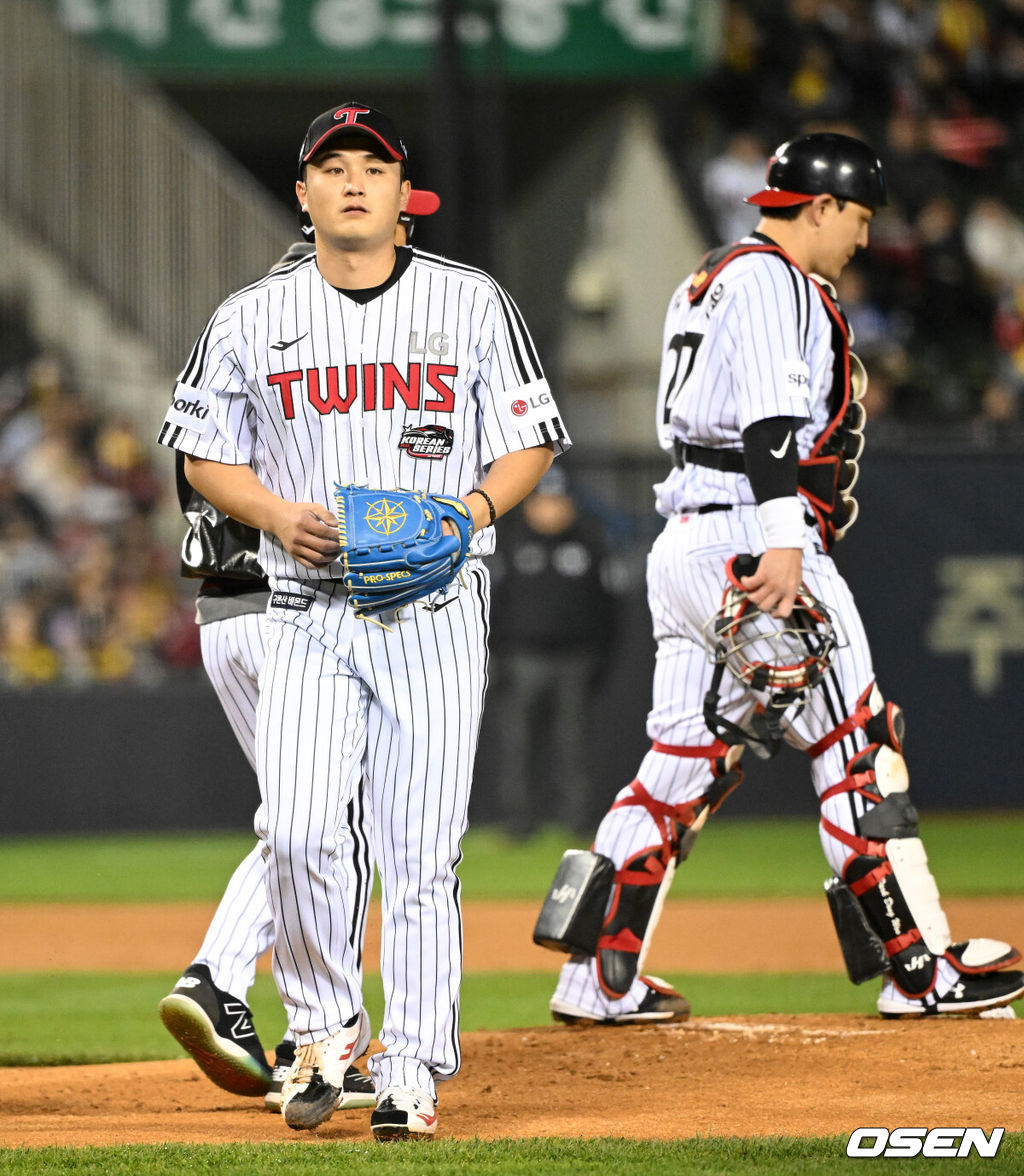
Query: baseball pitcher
[366, 367]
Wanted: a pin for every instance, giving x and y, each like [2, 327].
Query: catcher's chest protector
[830, 471]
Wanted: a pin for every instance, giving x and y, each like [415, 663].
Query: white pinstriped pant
[242, 927]
[685, 583]
[343, 699]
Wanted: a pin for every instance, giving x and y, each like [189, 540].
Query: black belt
[728, 461]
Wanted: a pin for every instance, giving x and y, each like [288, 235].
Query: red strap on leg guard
[664, 815]
[857, 782]
[653, 873]
[623, 940]
[895, 946]
[858, 719]
[871, 879]
[713, 751]
[858, 844]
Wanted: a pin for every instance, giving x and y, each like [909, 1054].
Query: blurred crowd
[87, 592]
[936, 86]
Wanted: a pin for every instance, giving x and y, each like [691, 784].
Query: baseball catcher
[395, 547]
[760, 407]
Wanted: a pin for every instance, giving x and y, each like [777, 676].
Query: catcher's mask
[783, 656]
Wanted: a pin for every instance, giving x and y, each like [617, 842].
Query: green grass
[81, 1017]
[969, 853]
[704, 1156]
[47, 1019]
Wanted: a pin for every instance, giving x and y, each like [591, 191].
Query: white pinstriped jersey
[418, 384]
[757, 345]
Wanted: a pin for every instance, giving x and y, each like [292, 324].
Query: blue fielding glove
[393, 547]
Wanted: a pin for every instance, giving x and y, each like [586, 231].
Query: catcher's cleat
[284, 1059]
[661, 1004]
[315, 1085]
[969, 995]
[403, 1113]
[982, 955]
[217, 1030]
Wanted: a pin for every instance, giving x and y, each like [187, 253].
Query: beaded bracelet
[490, 505]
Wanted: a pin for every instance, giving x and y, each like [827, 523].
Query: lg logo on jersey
[436, 344]
[378, 386]
[522, 407]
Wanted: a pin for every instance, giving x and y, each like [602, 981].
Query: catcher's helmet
[813, 165]
[782, 658]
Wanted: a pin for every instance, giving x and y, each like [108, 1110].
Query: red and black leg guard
[870, 878]
[869, 874]
[639, 880]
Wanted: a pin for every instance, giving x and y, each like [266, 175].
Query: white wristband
[782, 521]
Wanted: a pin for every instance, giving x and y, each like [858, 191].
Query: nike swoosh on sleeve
[780, 453]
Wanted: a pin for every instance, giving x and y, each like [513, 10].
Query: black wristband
[490, 505]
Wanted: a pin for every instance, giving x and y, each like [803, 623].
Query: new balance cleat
[356, 1091]
[403, 1113]
[216, 1029]
[283, 1062]
[970, 995]
[661, 1004]
[315, 1085]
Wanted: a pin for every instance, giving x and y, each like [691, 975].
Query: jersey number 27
[680, 343]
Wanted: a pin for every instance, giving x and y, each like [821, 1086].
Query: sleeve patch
[796, 384]
[529, 405]
[190, 409]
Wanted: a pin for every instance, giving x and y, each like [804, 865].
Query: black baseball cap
[353, 118]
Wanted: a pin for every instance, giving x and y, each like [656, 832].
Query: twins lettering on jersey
[427, 387]
[310, 387]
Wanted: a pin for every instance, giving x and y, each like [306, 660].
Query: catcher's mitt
[393, 547]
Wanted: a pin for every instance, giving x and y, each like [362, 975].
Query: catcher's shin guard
[572, 912]
[642, 883]
[903, 928]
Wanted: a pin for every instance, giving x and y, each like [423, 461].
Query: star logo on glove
[385, 516]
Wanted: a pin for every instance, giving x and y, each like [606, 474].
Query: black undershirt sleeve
[771, 458]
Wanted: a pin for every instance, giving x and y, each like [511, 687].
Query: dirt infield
[770, 1074]
[714, 935]
[762, 1075]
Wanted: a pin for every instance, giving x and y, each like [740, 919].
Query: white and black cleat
[661, 1004]
[284, 1059]
[217, 1030]
[404, 1113]
[970, 995]
[315, 1086]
